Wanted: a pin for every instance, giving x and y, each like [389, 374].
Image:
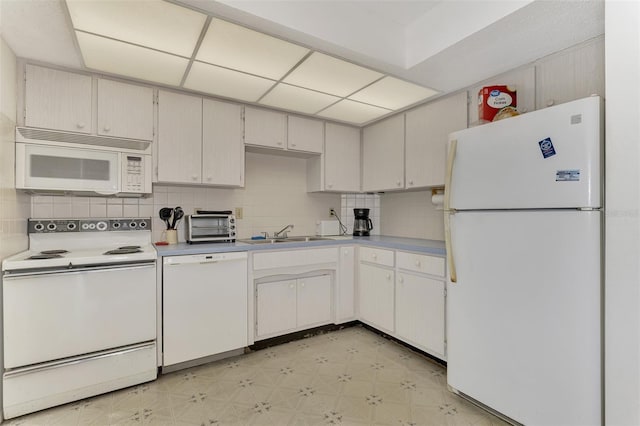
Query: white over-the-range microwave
[53, 162]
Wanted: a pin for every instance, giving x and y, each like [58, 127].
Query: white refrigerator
[523, 227]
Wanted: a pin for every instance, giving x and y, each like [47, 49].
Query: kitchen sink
[285, 240]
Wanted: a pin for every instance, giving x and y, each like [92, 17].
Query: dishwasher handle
[204, 258]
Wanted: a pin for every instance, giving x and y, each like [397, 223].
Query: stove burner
[44, 256]
[123, 251]
[128, 247]
[54, 251]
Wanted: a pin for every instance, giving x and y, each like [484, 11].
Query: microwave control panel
[133, 173]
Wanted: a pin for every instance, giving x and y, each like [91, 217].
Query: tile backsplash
[368, 201]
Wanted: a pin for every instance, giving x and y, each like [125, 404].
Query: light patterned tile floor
[346, 377]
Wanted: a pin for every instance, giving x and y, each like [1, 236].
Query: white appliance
[523, 232]
[57, 162]
[79, 310]
[327, 227]
[204, 306]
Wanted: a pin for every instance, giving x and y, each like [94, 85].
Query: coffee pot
[361, 224]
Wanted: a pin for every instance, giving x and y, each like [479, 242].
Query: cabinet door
[222, 145]
[179, 138]
[276, 307]
[383, 155]
[376, 296]
[265, 128]
[427, 131]
[572, 74]
[304, 134]
[345, 285]
[420, 312]
[204, 309]
[314, 301]
[57, 100]
[125, 110]
[342, 158]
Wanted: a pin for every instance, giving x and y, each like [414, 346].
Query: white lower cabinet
[204, 305]
[290, 305]
[376, 293]
[345, 285]
[420, 312]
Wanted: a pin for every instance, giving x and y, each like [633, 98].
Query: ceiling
[351, 61]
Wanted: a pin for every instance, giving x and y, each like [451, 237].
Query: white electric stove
[79, 312]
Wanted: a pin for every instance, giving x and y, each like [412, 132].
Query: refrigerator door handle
[453, 146]
[451, 264]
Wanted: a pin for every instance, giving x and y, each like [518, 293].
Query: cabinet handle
[80, 125]
[346, 252]
[302, 284]
[194, 177]
[374, 256]
[279, 143]
[401, 279]
[411, 182]
[388, 277]
[417, 263]
[550, 102]
[398, 183]
[209, 178]
[329, 185]
[290, 285]
[107, 128]
[293, 144]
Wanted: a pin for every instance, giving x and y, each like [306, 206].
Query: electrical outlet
[332, 211]
[239, 212]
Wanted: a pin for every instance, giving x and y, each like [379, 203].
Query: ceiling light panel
[151, 23]
[242, 49]
[331, 75]
[393, 93]
[124, 59]
[227, 83]
[297, 99]
[353, 112]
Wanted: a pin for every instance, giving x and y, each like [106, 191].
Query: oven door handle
[78, 270]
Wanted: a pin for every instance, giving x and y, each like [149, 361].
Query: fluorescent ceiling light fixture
[331, 75]
[297, 99]
[151, 23]
[393, 93]
[227, 83]
[120, 58]
[242, 49]
[354, 112]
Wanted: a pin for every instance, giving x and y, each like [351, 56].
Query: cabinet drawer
[421, 263]
[377, 256]
[285, 259]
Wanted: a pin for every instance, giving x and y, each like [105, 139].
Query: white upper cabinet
[571, 74]
[427, 130]
[304, 134]
[265, 128]
[125, 110]
[338, 168]
[222, 144]
[383, 155]
[58, 100]
[179, 138]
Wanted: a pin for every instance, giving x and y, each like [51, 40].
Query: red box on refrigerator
[493, 99]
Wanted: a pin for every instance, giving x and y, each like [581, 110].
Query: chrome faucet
[283, 231]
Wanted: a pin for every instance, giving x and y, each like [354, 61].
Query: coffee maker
[361, 224]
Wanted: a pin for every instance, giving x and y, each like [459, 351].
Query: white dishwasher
[204, 305]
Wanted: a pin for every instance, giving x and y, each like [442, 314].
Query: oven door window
[59, 168]
[211, 227]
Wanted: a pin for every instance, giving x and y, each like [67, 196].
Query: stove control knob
[101, 226]
[71, 226]
[116, 225]
[38, 227]
[132, 225]
[51, 226]
[143, 224]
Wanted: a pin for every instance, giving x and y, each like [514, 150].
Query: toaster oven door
[211, 228]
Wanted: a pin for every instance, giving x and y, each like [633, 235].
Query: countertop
[430, 247]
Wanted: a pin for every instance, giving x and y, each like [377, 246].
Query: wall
[411, 214]
[14, 206]
[274, 196]
[622, 241]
